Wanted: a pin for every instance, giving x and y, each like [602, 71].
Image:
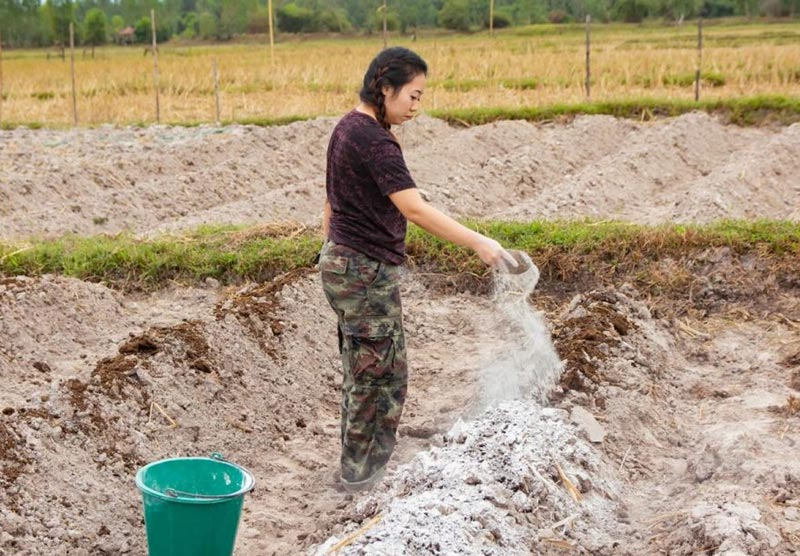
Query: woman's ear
[387, 90]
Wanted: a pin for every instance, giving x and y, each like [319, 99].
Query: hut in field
[125, 36]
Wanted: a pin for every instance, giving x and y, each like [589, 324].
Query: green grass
[128, 263]
[707, 78]
[743, 111]
[235, 254]
[467, 85]
[611, 241]
[740, 111]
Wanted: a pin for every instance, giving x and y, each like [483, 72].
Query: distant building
[125, 36]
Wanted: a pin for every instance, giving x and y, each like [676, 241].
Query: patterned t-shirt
[366, 165]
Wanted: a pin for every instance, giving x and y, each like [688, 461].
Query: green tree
[331, 20]
[502, 19]
[631, 11]
[96, 28]
[233, 17]
[748, 8]
[143, 31]
[526, 12]
[294, 19]
[392, 21]
[207, 25]
[455, 14]
[22, 24]
[189, 27]
[117, 24]
[60, 13]
[258, 20]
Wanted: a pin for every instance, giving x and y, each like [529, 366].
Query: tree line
[29, 23]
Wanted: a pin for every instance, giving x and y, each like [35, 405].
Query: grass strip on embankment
[743, 111]
[563, 251]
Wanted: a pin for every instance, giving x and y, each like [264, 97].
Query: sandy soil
[677, 434]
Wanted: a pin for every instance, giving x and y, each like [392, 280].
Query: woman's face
[401, 104]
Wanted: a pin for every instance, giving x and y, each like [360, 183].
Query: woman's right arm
[326, 219]
[414, 208]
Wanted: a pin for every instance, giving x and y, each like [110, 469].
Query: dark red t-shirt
[366, 165]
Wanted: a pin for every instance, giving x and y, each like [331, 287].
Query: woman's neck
[367, 109]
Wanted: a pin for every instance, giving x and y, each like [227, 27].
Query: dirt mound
[690, 168]
[111, 180]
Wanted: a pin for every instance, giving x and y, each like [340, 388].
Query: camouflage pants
[365, 294]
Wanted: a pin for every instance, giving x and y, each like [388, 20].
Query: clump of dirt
[118, 376]
[185, 342]
[114, 373]
[792, 405]
[12, 453]
[794, 381]
[584, 338]
[791, 360]
[256, 306]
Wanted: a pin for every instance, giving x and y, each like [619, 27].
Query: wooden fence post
[491, 18]
[271, 35]
[385, 9]
[216, 90]
[588, 65]
[72, 73]
[699, 58]
[155, 65]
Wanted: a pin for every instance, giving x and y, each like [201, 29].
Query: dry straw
[321, 77]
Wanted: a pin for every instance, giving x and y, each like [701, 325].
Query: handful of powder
[520, 279]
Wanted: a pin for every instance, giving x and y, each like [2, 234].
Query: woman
[370, 197]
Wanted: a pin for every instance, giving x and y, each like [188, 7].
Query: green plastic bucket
[192, 506]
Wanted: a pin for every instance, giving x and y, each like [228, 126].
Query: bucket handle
[174, 493]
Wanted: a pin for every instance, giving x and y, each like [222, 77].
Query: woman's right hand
[492, 253]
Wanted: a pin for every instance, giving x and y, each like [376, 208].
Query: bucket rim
[248, 482]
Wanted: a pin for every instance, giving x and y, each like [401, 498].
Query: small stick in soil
[787, 320]
[622, 463]
[566, 522]
[350, 538]
[539, 476]
[576, 495]
[238, 425]
[662, 517]
[655, 537]
[694, 333]
[163, 413]
[558, 543]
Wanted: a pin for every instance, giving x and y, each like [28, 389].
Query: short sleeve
[386, 165]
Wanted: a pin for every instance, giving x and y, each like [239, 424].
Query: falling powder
[522, 362]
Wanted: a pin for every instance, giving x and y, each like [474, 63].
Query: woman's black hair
[394, 67]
